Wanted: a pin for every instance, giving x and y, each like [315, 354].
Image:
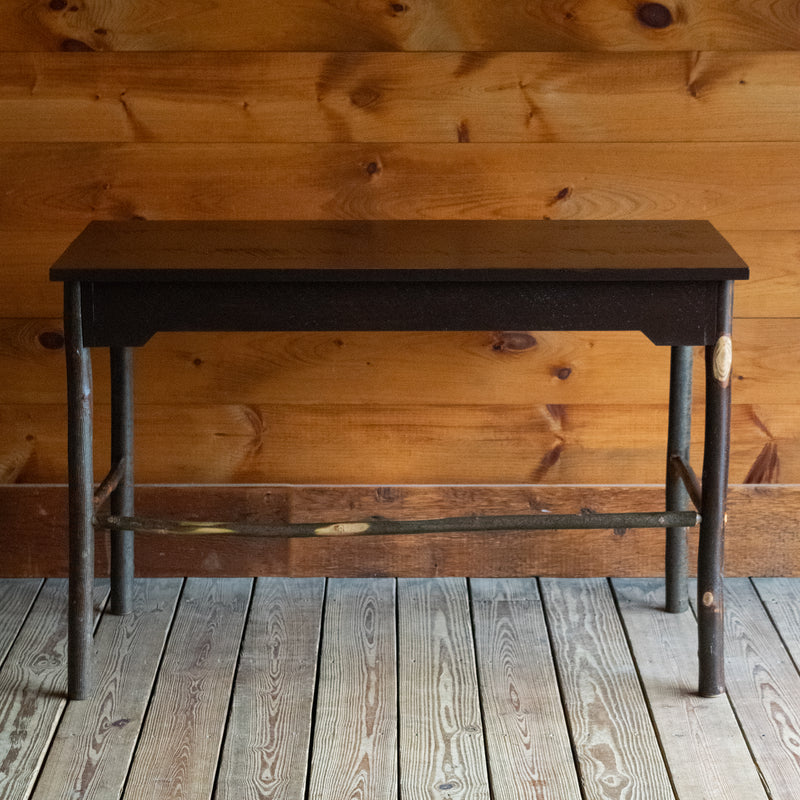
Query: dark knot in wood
[654, 15]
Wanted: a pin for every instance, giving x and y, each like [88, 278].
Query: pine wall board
[346, 25]
[420, 109]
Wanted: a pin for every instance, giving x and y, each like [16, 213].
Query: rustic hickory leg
[715, 486]
[122, 496]
[81, 497]
[678, 440]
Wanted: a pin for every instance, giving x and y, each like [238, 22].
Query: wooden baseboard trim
[762, 532]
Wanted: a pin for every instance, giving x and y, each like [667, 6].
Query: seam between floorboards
[229, 712]
[25, 619]
[60, 717]
[397, 683]
[642, 687]
[479, 682]
[736, 716]
[315, 700]
[156, 679]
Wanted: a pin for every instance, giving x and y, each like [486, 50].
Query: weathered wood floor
[447, 688]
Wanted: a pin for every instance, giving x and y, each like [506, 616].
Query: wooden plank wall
[414, 109]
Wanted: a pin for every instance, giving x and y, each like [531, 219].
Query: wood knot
[51, 340]
[512, 341]
[561, 195]
[723, 359]
[75, 46]
[364, 96]
[397, 8]
[654, 15]
[374, 168]
[562, 373]
[57, 5]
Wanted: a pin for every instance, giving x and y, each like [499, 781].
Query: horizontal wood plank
[746, 185]
[774, 286]
[457, 368]
[37, 516]
[439, 25]
[432, 443]
[399, 97]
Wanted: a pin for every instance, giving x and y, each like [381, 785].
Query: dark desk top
[406, 251]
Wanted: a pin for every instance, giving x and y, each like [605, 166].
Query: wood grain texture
[527, 741]
[440, 25]
[269, 731]
[26, 260]
[430, 444]
[781, 598]
[441, 738]
[382, 369]
[16, 598]
[33, 688]
[734, 185]
[774, 259]
[764, 687]
[355, 735]
[37, 515]
[617, 753]
[394, 97]
[180, 742]
[92, 750]
[698, 731]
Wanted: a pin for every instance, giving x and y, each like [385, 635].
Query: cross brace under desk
[125, 281]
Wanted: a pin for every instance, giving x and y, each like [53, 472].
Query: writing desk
[125, 281]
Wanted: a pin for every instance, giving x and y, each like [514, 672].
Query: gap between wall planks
[761, 532]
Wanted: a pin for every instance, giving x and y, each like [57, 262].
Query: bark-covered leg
[715, 487]
[81, 498]
[678, 441]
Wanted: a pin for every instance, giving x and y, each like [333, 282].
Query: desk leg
[715, 488]
[678, 441]
[122, 497]
[81, 498]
